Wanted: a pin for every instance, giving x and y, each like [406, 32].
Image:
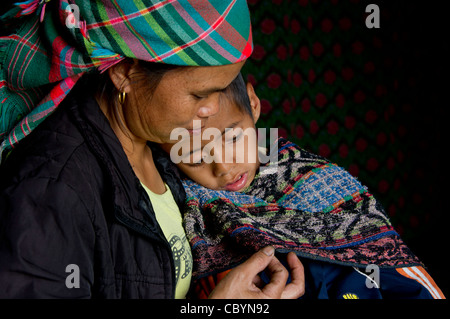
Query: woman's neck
[136, 149]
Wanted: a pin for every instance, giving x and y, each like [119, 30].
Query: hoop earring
[122, 96]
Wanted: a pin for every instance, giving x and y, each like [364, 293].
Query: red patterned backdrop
[371, 100]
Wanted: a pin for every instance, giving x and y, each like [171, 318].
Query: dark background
[373, 101]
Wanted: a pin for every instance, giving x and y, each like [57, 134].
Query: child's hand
[243, 281]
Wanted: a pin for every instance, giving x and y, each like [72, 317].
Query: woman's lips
[238, 184]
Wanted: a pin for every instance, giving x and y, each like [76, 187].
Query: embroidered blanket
[302, 203]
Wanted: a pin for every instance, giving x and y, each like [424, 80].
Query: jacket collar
[132, 205]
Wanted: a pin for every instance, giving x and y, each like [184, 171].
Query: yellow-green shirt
[169, 219]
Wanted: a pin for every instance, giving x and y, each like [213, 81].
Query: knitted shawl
[302, 203]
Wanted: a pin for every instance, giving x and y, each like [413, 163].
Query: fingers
[258, 261]
[258, 282]
[265, 259]
[278, 276]
[243, 281]
[296, 288]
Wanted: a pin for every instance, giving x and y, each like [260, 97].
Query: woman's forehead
[206, 78]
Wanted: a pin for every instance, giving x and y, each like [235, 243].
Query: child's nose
[222, 169]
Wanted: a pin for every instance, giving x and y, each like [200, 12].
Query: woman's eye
[199, 97]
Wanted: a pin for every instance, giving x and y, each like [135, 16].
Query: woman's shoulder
[55, 150]
[63, 171]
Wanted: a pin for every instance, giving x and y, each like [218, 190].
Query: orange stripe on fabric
[430, 282]
[418, 274]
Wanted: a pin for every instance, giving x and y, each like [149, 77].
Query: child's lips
[238, 183]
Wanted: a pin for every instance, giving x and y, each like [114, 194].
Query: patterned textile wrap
[305, 204]
[52, 43]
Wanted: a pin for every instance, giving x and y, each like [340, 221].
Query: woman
[83, 196]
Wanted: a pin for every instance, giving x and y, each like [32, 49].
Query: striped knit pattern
[54, 42]
[307, 205]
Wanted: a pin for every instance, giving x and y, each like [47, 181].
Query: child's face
[225, 173]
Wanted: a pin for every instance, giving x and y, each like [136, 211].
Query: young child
[300, 203]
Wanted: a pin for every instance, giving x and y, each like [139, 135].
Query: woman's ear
[120, 74]
[255, 103]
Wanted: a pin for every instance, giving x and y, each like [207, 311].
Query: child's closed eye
[196, 160]
[196, 165]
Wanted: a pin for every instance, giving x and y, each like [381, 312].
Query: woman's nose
[208, 110]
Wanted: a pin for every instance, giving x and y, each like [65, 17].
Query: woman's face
[239, 171]
[219, 173]
[182, 96]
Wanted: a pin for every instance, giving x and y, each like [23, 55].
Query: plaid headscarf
[55, 42]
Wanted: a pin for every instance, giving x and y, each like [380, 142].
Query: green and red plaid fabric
[57, 41]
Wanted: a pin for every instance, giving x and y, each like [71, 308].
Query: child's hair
[237, 93]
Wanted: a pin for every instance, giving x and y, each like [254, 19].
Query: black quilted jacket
[68, 196]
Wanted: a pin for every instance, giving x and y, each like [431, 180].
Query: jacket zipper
[163, 240]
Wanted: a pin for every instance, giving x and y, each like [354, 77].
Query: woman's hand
[243, 281]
